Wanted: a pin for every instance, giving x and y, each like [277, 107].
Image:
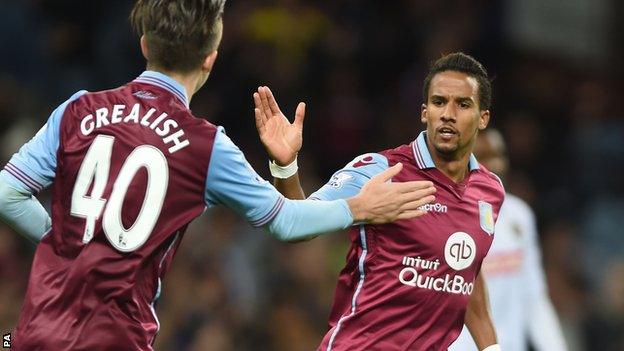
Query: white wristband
[284, 172]
[494, 347]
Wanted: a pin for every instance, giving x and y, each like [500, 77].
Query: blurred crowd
[557, 76]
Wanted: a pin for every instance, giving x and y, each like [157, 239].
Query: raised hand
[281, 138]
[381, 201]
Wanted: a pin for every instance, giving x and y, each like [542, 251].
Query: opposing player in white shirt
[521, 308]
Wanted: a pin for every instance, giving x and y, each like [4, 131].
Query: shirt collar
[423, 157]
[164, 81]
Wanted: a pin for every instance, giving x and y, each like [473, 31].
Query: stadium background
[557, 68]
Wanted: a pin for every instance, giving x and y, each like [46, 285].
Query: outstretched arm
[282, 139]
[379, 201]
[231, 181]
[478, 318]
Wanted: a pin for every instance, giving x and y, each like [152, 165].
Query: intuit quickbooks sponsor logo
[459, 253]
[455, 285]
[437, 207]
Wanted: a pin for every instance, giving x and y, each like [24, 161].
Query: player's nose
[448, 117]
[449, 113]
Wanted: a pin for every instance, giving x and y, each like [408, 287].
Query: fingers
[262, 91]
[259, 122]
[260, 112]
[388, 173]
[412, 209]
[257, 102]
[411, 214]
[300, 114]
[416, 202]
[415, 185]
[272, 103]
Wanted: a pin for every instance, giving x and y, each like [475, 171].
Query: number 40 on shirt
[96, 168]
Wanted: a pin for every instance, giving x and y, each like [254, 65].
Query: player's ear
[484, 119]
[209, 61]
[423, 113]
[144, 48]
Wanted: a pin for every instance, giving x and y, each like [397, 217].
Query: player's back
[130, 175]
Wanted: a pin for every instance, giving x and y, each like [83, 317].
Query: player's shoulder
[367, 160]
[85, 101]
[492, 181]
[368, 164]
[99, 95]
[346, 181]
[75, 97]
[188, 118]
[402, 153]
[58, 114]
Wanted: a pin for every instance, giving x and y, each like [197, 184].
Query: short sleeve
[33, 167]
[348, 181]
[231, 181]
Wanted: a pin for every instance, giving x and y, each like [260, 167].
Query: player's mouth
[447, 133]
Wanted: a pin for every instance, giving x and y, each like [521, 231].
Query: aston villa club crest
[486, 217]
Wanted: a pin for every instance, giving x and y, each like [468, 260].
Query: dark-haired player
[130, 168]
[411, 284]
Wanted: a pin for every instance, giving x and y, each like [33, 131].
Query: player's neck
[190, 81]
[454, 167]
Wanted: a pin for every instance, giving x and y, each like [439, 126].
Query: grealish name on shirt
[161, 125]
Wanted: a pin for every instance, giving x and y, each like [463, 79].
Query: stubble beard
[445, 150]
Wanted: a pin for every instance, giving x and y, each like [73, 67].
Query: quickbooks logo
[455, 285]
[447, 283]
[460, 251]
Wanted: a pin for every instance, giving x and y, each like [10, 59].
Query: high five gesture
[281, 138]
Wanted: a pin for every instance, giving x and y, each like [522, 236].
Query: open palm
[281, 138]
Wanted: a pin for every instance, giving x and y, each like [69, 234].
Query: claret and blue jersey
[129, 169]
[406, 285]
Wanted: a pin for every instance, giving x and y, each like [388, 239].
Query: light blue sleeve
[22, 211]
[305, 219]
[33, 167]
[232, 182]
[348, 181]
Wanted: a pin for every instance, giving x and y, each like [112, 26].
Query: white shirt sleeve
[543, 325]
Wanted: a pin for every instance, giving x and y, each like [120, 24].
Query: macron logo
[437, 207]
